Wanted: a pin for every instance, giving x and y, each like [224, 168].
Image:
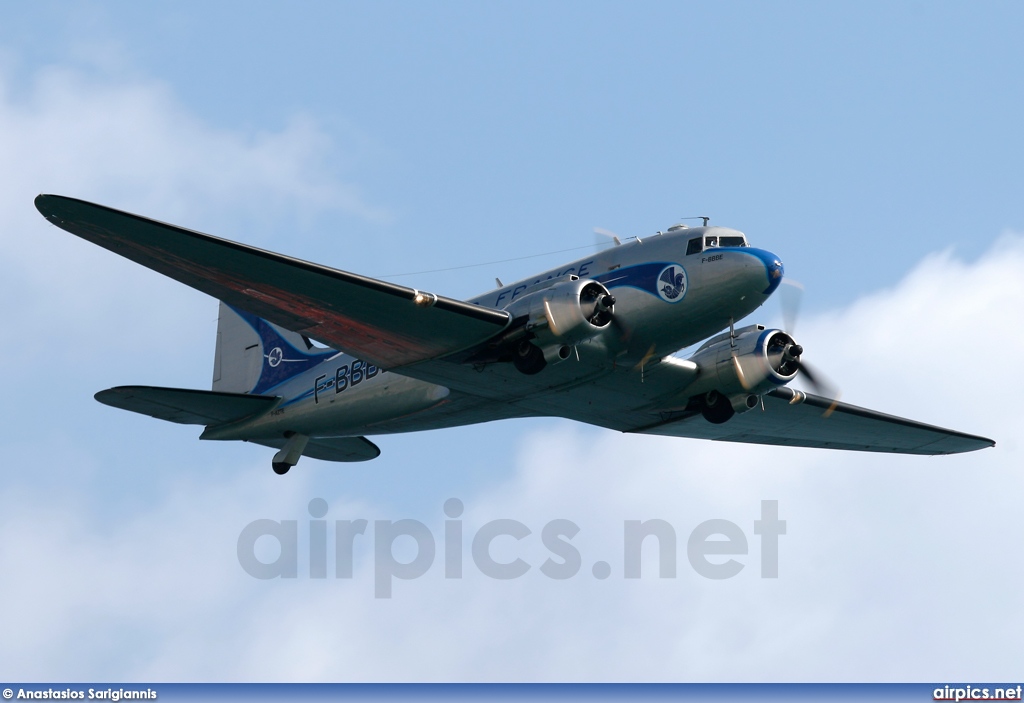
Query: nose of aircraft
[766, 274]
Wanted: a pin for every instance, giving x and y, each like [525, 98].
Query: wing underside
[386, 324]
[795, 419]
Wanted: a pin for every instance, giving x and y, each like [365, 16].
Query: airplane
[310, 359]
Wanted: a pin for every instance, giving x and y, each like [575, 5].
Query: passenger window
[694, 247]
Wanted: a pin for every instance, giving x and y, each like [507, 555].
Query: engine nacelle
[749, 364]
[565, 313]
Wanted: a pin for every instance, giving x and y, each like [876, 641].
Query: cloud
[892, 567]
[96, 138]
[128, 142]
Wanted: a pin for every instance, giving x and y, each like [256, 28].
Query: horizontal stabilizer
[332, 448]
[383, 323]
[186, 406]
[794, 419]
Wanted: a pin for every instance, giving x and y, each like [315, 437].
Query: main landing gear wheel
[716, 408]
[529, 359]
[290, 453]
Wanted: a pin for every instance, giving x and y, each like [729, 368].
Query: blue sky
[876, 148]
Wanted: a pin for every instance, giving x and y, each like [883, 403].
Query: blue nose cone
[773, 268]
[775, 273]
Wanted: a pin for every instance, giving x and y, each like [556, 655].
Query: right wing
[388, 325]
[795, 419]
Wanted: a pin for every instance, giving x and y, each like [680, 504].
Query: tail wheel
[716, 408]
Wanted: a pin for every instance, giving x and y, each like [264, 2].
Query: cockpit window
[695, 246]
[732, 242]
[710, 242]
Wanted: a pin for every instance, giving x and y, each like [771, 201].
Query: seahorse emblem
[672, 283]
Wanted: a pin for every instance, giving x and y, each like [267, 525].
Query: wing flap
[812, 421]
[386, 324]
[186, 406]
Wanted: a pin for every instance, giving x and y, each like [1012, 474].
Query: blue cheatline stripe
[640, 276]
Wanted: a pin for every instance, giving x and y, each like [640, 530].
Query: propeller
[597, 304]
[791, 295]
[602, 232]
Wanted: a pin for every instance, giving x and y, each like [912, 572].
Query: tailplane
[254, 356]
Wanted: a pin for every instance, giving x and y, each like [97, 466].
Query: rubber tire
[529, 359]
[716, 408]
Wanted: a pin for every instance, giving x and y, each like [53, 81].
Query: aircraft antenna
[705, 218]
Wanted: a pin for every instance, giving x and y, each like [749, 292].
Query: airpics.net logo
[715, 549]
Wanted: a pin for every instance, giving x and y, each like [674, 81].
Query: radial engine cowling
[749, 364]
[565, 313]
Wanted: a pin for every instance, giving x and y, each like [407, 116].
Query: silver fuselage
[345, 396]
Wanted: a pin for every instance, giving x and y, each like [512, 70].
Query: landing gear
[290, 453]
[528, 358]
[716, 408]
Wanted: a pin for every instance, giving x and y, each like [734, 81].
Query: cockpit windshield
[733, 241]
[711, 241]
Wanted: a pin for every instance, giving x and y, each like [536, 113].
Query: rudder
[253, 355]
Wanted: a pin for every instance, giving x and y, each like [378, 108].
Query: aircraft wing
[388, 325]
[795, 419]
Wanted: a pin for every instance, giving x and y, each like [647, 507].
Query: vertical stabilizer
[254, 356]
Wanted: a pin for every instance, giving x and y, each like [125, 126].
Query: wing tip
[40, 203]
[48, 204]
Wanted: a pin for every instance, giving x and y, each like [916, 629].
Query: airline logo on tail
[281, 359]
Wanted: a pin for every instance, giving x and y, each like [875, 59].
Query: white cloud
[130, 144]
[901, 568]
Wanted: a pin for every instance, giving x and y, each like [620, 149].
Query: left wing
[388, 325]
[795, 419]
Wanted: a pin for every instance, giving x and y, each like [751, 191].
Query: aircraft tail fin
[253, 355]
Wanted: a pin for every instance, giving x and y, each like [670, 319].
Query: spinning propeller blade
[790, 296]
[791, 293]
[602, 232]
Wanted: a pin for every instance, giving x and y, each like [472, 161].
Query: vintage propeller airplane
[592, 341]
